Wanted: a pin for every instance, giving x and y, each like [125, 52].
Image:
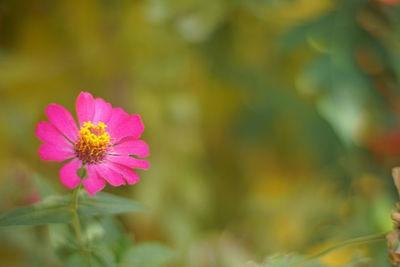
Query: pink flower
[103, 143]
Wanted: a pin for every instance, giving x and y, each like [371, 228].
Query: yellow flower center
[93, 143]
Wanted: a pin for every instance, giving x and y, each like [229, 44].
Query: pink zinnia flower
[103, 143]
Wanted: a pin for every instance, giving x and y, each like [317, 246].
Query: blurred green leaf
[105, 204]
[98, 257]
[63, 240]
[115, 237]
[77, 260]
[148, 254]
[287, 260]
[53, 209]
[294, 259]
[102, 257]
[45, 188]
[315, 29]
[68, 250]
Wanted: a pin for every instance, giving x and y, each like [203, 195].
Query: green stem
[355, 241]
[75, 223]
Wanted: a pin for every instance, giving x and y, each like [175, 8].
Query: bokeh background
[273, 125]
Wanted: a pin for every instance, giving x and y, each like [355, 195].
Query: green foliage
[45, 188]
[287, 260]
[106, 204]
[62, 240]
[97, 258]
[294, 260]
[104, 240]
[106, 244]
[77, 260]
[148, 254]
[53, 209]
[113, 236]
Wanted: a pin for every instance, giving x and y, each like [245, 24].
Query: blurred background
[273, 125]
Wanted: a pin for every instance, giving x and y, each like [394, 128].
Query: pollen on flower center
[93, 143]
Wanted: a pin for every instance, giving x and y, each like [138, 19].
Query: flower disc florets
[93, 143]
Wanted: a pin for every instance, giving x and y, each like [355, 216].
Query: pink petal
[94, 183]
[129, 162]
[68, 175]
[63, 121]
[85, 107]
[131, 146]
[53, 152]
[46, 132]
[118, 115]
[130, 176]
[131, 126]
[112, 177]
[103, 111]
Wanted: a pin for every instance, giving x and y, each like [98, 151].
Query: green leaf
[77, 260]
[148, 254]
[98, 257]
[53, 209]
[105, 233]
[115, 238]
[45, 188]
[293, 259]
[63, 240]
[286, 261]
[105, 204]
[102, 257]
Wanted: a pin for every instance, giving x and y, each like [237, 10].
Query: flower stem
[75, 223]
[355, 241]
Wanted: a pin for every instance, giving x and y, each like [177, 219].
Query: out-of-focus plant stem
[75, 223]
[355, 241]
